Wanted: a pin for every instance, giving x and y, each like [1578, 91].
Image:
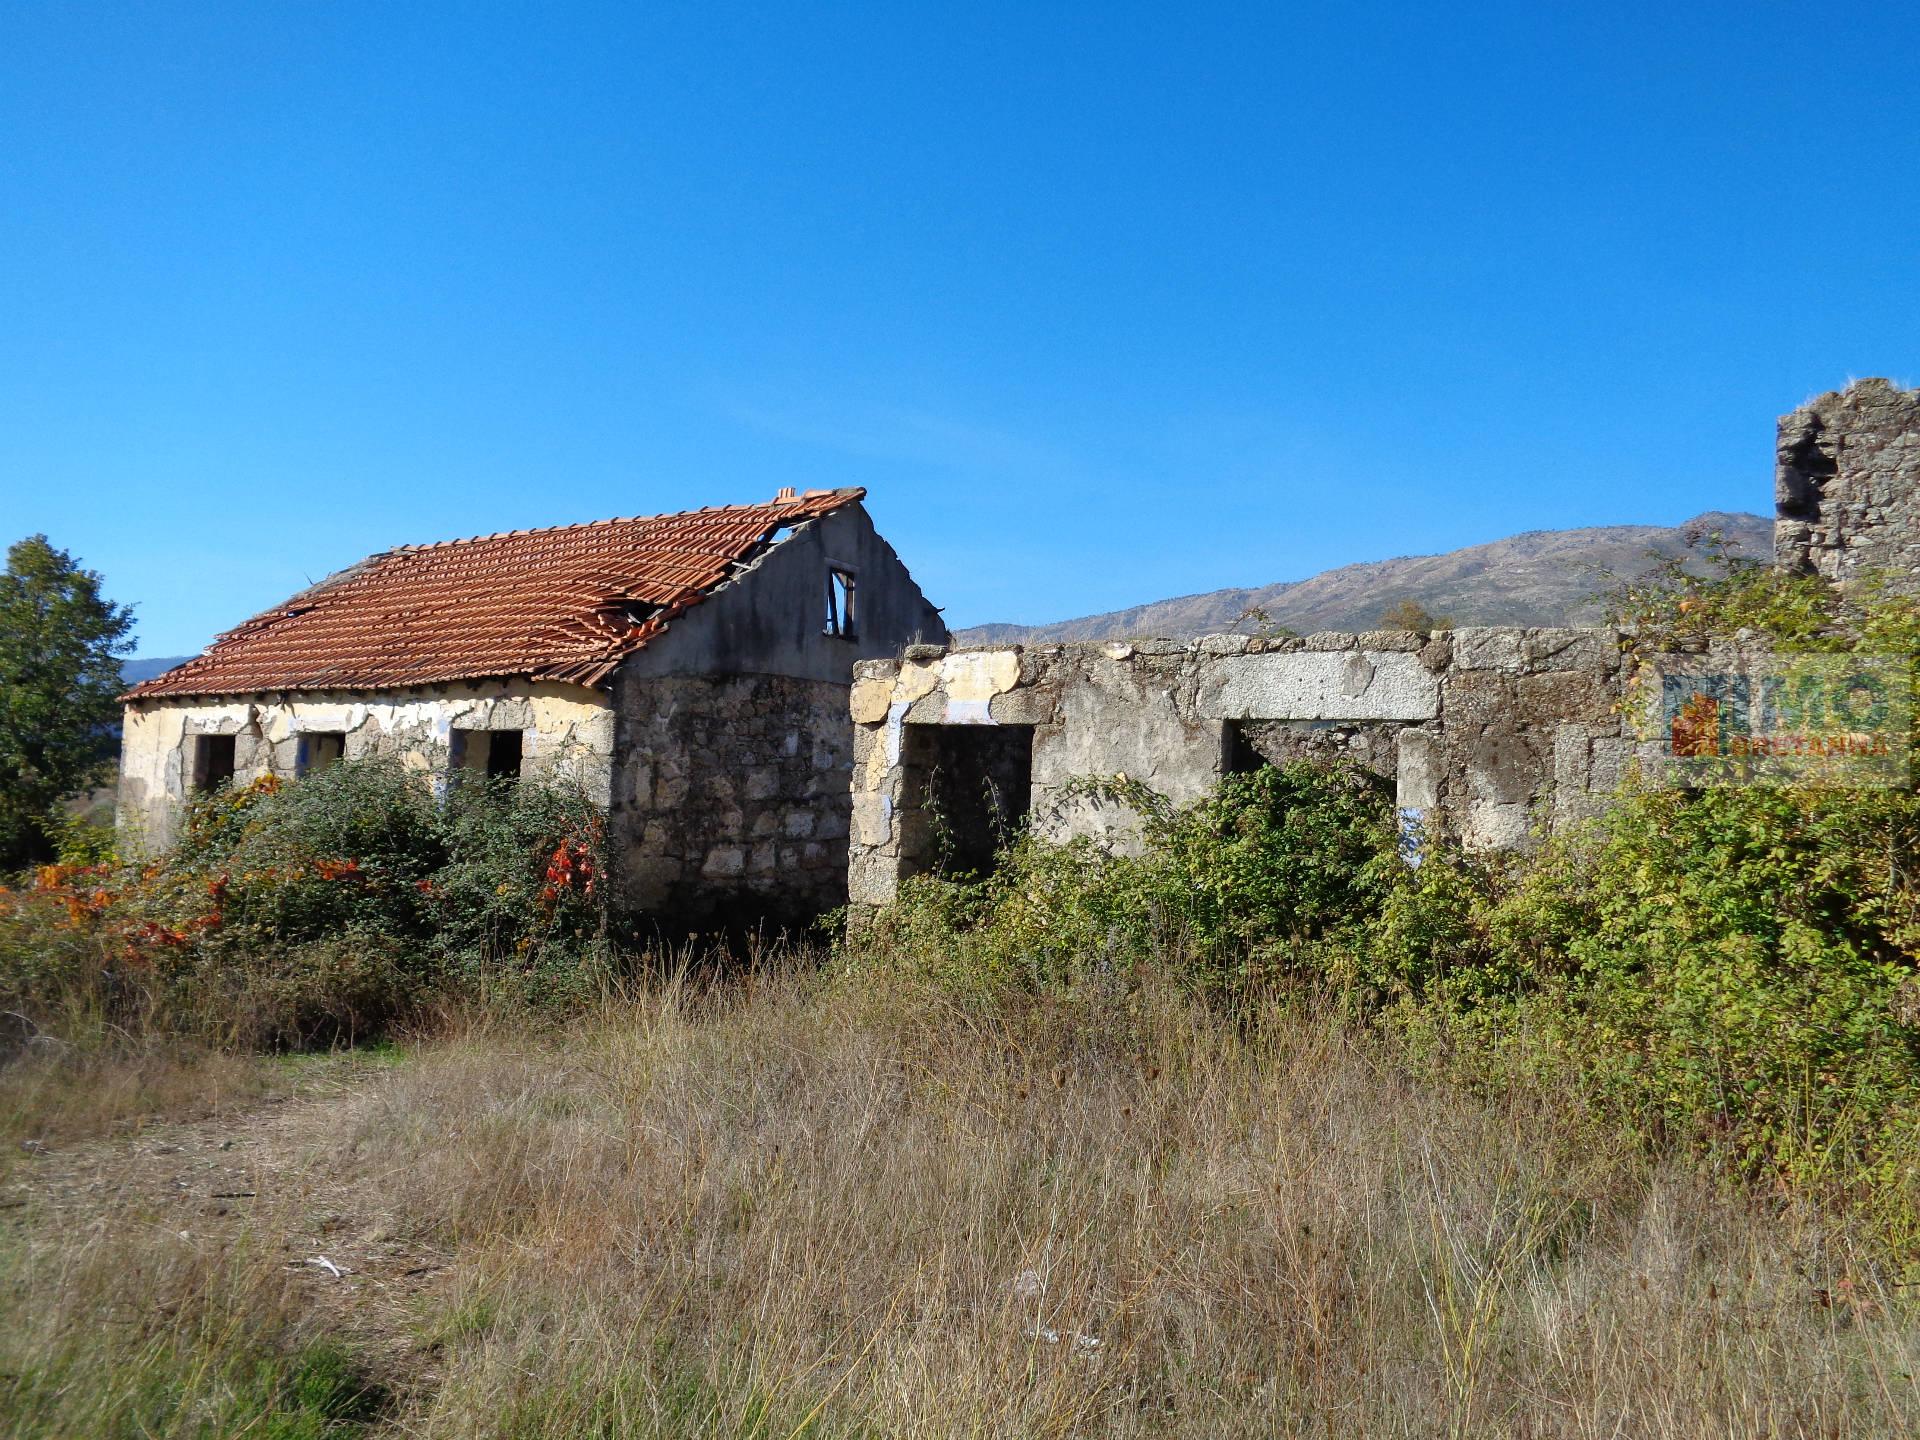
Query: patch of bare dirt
[274, 1173]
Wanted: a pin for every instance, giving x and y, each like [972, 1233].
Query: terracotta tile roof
[568, 603]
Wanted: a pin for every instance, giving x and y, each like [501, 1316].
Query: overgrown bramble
[305, 908]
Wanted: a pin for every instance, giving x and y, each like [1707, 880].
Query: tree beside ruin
[61, 646]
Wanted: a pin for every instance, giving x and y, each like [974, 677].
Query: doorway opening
[971, 786]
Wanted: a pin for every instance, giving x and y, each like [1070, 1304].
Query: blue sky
[1102, 303]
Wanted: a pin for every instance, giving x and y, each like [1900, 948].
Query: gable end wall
[734, 751]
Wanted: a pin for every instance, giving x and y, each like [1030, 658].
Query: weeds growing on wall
[295, 912]
[1711, 592]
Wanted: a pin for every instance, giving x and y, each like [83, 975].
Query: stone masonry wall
[1487, 732]
[1275, 742]
[567, 732]
[727, 797]
[1847, 486]
[730, 801]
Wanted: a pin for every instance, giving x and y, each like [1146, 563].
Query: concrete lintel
[1319, 685]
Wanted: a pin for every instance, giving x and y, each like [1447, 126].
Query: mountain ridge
[1537, 577]
[145, 667]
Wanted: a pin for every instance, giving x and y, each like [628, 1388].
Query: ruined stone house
[1488, 735]
[691, 671]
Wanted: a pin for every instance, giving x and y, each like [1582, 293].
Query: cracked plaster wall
[567, 734]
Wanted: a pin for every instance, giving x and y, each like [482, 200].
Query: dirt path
[273, 1171]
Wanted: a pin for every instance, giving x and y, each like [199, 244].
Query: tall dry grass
[137, 1332]
[796, 1207]
[67, 1091]
[842, 1211]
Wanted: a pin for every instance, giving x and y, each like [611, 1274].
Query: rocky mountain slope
[1543, 577]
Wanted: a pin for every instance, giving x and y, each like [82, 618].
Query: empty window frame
[318, 749]
[503, 754]
[213, 761]
[495, 754]
[842, 619]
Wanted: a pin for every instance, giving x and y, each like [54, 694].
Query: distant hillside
[1544, 577]
[145, 668]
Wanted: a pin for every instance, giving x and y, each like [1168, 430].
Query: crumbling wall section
[1490, 735]
[567, 734]
[730, 798]
[1847, 486]
[1372, 745]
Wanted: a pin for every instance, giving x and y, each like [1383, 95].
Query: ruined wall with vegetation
[1491, 736]
[1486, 733]
[1847, 486]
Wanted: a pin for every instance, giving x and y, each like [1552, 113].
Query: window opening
[496, 754]
[213, 761]
[972, 787]
[503, 754]
[841, 619]
[319, 749]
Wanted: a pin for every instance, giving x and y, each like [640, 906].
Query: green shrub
[1253, 882]
[1275, 862]
[1431, 939]
[290, 913]
[349, 850]
[1712, 593]
[1742, 963]
[523, 882]
[1047, 917]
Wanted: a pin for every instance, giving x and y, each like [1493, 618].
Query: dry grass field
[797, 1207]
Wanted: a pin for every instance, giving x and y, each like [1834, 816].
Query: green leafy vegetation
[316, 910]
[61, 643]
[1252, 883]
